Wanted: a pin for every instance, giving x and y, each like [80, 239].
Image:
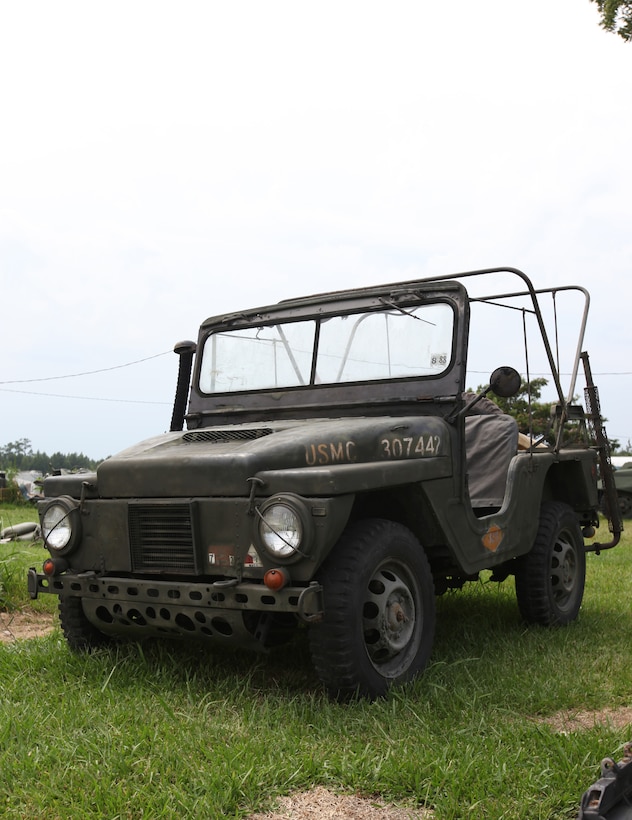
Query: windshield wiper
[405, 312]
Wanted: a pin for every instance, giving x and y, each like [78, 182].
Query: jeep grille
[161, 537]
[227, 435]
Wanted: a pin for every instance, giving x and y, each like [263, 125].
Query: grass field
[16, 557]
[165, 731]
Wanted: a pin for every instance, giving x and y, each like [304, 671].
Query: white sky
[163, 162]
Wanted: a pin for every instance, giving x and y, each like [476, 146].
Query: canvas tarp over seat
[491, 441]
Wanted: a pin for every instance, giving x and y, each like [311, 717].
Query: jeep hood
[218, 461]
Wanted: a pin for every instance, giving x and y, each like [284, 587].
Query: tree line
[19, 455]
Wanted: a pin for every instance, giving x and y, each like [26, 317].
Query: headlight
[61, 525]
[282, 527]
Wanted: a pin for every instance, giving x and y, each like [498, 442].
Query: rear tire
[550, 578]
[625, 504]
[80, 634]
[379, 611]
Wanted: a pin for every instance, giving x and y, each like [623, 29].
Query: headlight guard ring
[294, 537]
[61, 525]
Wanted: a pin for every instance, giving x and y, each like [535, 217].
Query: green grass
[175, 730]
[16, 557]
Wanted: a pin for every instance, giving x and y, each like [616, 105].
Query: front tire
[379, 611]
[80, 634]
[550, 578]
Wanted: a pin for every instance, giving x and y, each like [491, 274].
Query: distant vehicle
[623, 483]
[621, 461]
[335, 475]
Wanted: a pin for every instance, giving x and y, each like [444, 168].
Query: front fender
[342, 479]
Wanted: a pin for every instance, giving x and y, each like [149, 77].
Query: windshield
[393, 343]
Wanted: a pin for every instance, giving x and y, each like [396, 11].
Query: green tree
[19, 455]
[616, 16]
[13, 452]
[523, 408]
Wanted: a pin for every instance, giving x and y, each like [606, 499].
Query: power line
[85, 373]
[162, 403]
[166, 352]
[483, 372]
[81, 398]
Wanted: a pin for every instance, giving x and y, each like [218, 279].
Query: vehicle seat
[491, 441]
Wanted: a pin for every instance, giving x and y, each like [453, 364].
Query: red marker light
[54, 566]
[276, 579]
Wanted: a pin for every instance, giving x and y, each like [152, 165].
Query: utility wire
[622, 373]
[87, 372]
[166, 352]
[162, 403]
[82, 398]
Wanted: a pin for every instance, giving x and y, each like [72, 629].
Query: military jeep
[327, 468]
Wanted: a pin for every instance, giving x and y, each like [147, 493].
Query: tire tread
[333, 653]
[533, 570]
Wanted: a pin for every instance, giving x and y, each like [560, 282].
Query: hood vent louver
[215, 436]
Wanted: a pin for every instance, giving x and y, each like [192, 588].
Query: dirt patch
[21, 624]
[320, 804]
[569, 720]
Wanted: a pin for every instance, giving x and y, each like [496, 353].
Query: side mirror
[505, 382]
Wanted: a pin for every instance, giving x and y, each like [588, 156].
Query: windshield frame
[334, 352]
[367, 398]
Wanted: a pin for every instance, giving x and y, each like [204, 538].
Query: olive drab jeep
[328, 468]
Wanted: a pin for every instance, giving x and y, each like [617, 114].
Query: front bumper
[159, 608]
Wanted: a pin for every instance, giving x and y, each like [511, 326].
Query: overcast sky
[163, 162]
